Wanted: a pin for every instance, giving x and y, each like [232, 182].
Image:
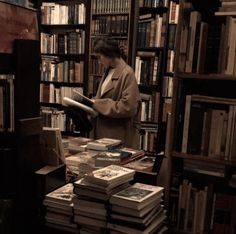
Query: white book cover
[103, 143]
[109, 174]
[63, 194]
[137, 196]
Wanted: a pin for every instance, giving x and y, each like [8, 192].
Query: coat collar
[118, 70]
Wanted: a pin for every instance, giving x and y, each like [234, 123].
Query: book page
[70, 102]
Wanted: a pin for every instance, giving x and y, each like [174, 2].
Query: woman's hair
[107, 47]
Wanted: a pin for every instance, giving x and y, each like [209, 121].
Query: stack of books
[137, 209]
[81, 163]
[104, 144]
[59, 209]
[93, 192]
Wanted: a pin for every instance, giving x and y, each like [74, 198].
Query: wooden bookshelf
[201, 148]
[19, 145]
[151, 72]
[64, 28]
[116, 20]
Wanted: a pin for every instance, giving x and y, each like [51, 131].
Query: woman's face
[106, 61]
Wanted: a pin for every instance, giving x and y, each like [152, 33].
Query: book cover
[144, 164]
[137, 196]
[110, 174]
[63, 194]
[104, 144]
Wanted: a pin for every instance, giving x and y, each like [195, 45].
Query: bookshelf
[156, 24]
[114, 19]
[20, 123]
[64, 31]
[201, 138]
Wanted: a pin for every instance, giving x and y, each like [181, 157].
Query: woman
[118, 99]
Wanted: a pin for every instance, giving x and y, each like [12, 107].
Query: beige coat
[119, 107]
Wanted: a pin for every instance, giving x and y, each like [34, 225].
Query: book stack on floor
[137, 209]
[92, 196]
[59, 209]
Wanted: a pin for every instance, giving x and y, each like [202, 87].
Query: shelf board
[150, 48]
[210, 76]
[114, 36]
[64, 56]
[110, 13]
[152, 10]
[202, 158]
[63, 83]
[62, 26]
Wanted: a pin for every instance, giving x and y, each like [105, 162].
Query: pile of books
[137, 209]
[59, 209]
[93, 192]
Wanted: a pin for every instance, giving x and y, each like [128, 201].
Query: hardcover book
[137, 196]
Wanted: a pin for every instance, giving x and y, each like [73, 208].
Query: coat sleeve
[127, 103]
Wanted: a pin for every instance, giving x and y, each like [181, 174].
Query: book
[107, 158]
[143, 164]
[139, 221]
[134, 212]
[155, 224]
[72, 103]
[51, 145]
[62, 195]
[104, 144]
[110, 174]
[137, 196]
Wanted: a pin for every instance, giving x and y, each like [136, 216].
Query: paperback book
[104, 144]
[110, 174]
[137, 196]
[61, 195]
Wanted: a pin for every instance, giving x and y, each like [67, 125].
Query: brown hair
[107, 47]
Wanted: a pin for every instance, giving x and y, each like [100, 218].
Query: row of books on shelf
[193, 44]
[152, 30]
[173, 12]
[105, 200]
[167, 86]
[147, 67]
[150, 106]
[106, 6]
[227, 8]
[54, 118]
[110, 24]
[227, 57]
[7, 120]
[148, 140]
[49, 93]
[53, 13]
[63, 71]
[208, 127]
[202, 210]
[67, 42]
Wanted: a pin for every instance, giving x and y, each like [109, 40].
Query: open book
[78, 100]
